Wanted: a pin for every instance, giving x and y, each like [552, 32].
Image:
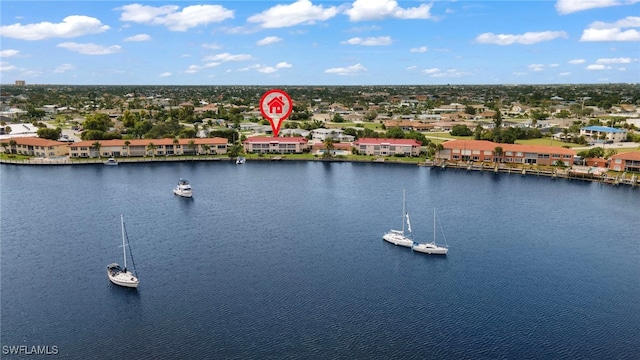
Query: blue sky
[314, 42]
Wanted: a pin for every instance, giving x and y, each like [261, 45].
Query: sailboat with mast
[121, 275]
[432, 247]
[398, 237]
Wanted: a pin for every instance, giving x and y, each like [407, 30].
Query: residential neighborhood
[550, 126]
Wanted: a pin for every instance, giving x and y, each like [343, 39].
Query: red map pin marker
[276, 106]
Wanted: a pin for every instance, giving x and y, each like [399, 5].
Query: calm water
[286, 260]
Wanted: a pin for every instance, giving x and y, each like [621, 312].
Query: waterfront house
[482, 150]
[275, 145]
[387, 147]
[148, 147]
[34, 146]
[629, 161]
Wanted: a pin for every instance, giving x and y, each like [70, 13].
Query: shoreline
[568, 174]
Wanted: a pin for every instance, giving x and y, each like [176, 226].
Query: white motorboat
[110, 161]
[432, 247]
[240, 160]
[183, 189]
[121, 275]
[398, 237]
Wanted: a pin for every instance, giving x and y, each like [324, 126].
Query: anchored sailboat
[121, 275]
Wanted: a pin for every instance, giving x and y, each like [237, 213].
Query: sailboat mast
[434, 225]
[404, 212]
[124, 250]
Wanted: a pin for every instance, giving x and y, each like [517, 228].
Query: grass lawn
[14, 157]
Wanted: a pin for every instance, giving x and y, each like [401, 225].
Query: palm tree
[498, 152]
[96, 146]
[192, 145]
[126, 144]
[328, 146]
[13, 144]
[5, 146]
[151, 147]
[176, 142]
[205, 148]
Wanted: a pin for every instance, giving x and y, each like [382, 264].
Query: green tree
[328, 146]
[206, 148]
[337, 118]
[394, 133]
[96, 147]
[49, 133]
[461, 130]
[498, 152]
[152, 149]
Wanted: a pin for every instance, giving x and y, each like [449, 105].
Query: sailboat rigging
[121, 275]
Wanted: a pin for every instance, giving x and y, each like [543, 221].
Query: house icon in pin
[275, 105]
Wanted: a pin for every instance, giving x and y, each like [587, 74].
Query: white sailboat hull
[397, 238]
[120, 277]
[430, 249]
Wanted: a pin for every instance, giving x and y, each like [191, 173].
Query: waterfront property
[276, 145]
[629, 161]
[148, 147]
[482, 150]
[594, 133]
[387, 147]
[34, 146]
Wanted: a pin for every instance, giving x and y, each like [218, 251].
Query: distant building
[275, 145]
[21, 83]
[387, 147]
[144, 147]
[482, 150]
[594, 133]
[34, 146]
[629, 161]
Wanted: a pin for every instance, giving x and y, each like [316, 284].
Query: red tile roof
[145, 142]
[384, 141]
[632, 155]
[490, 146]
[278, 140]
[34, 141]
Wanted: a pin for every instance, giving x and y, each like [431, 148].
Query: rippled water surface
[286, 260]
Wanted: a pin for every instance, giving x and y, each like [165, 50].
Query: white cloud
[363, 10]
[299, 12]
[224, 57]
[601, 31]
[615, 61]
[8, 53]
[450, 73]
[211, 46]
[90, 48]
[71, 26]
[412, 67]
[6, 67]
[570, 6]
[63, 68]
[165, 74]
[283, 65]
[268, 40]
[169, 16]
[597, 67]
[536, 67]
[362, 29]
[349, 70]
[554, 65]
[577, 61]
[372, 41]
[431, 71]
[565, 74]
[527, 38]
[420, 49]
[192, 69]
[139, 37]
